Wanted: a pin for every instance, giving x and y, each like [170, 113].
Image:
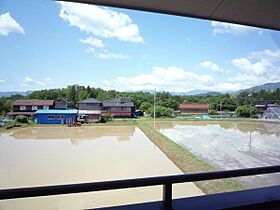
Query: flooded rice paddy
[230, 145]
[61, 155]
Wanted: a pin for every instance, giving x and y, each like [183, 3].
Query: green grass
[188, 162]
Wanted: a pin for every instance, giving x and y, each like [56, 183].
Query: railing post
[167, 196]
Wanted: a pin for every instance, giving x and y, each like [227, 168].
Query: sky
[46, 44]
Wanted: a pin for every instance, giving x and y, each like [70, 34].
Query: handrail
[166, 181]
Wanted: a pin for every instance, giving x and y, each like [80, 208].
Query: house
[118, 107]
[262, 106]
[89, 110]
[60, 104]
[193, 109]
[29, 107]
[53, 116]
[272, 113]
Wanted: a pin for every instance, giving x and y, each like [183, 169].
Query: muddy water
[230, 145]
[62, 155]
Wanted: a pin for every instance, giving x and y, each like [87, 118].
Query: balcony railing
[166, 181]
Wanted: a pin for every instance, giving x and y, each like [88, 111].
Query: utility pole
[250, 98]
[155, 104]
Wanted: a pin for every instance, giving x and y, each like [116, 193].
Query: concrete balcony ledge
[260, 198]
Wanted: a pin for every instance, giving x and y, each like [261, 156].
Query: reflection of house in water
[74, 134]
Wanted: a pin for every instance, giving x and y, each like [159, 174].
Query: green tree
[160, 111]
[72, 96]
[145, 106]
[245, 111]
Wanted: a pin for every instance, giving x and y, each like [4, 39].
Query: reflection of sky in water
[230, 148]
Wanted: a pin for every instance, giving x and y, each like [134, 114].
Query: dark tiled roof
[33, 102]
[123, 102]
[90, 100]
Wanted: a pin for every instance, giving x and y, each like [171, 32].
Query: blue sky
[45, 44]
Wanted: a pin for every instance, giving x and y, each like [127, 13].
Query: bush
[21, 119]
[106, 117]
[213, 112]
[245, 111]
[161, 111]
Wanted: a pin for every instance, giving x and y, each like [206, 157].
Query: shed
[193, 108]
[272, 113]
[89, 116]
[56, 116]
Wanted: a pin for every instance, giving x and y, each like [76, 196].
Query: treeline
[166, 103]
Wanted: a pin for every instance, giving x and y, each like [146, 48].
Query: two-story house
[89, 110]
[118, 107]
[29, 107]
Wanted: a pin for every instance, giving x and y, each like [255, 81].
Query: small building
[89, 110]
[118, 107]
[272, 113]
[53, 116]
[262, 106]
[89, 116]
[193, 109]
[60, 104]
[29, 107]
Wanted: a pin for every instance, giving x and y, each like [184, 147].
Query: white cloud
[101, 22]
[255, 69]
[265, 69]
[109, 55]
[93, 42]
[230, 28]
[40, 83]
[266, 54]
[105, 54]
[90, 50]
[27, 82]
[173, 79]
[212, 66]
[3, 80]
[28, 79]
[8, 25]
[25, 85]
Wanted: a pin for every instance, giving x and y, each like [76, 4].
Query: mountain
[9, 93]
[196, 93]
[266, 86]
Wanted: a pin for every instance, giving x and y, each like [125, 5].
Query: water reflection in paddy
[230, 145]
[62, 155]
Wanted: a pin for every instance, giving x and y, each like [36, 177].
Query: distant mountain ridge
[10, 93]
[255, 89]
[266, 86]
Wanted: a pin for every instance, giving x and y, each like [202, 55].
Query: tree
[160, 111]
[145, 106]
[72, 96]
[245, 111]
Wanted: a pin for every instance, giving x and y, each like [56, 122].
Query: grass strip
[187, 162]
